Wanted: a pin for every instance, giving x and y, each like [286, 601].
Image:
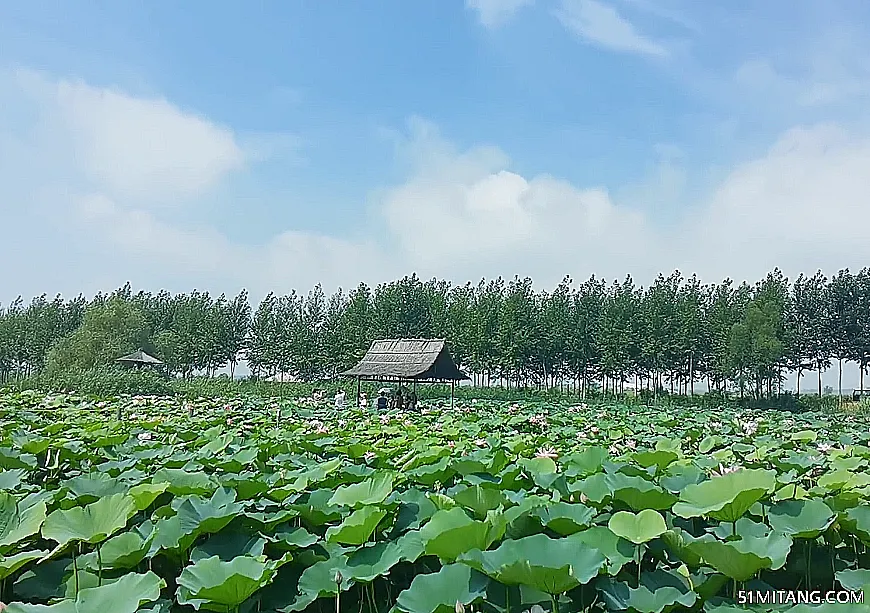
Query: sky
[275, 145]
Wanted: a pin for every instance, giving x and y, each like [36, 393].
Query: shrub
[104, 382]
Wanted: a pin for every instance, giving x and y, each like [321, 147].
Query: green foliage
[108, 331]
[106, 382]
[239, 508]
[586, 338]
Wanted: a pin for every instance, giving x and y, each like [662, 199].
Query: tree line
[671, 334]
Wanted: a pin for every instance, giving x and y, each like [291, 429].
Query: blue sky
[275, 145]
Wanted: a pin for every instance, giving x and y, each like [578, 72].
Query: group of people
[398, 401]
[386, 400]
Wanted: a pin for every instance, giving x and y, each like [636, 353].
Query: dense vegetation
[243, 506]
[668, 335]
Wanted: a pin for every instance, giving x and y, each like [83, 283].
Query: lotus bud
[460, 608]
[338, 578]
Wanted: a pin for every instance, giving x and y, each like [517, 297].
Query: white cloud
[494, 13]
[136, 148]
[600, 24]
[801, 207]
[460, 214]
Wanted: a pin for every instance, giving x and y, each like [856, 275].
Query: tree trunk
[839, 380]
[797, 387]
[820, 381]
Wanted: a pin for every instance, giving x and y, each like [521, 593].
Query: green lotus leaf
[200, 516]
[596, 488]
[145, 494]
[802, 519]
[429, 474]
[661, 458]
[564, 518]
[319, 579]
[855, 580]
[122, 551]
[373, 560]
[586, 462]
[639, 528]
[184, 483]
[229, 545]
[711, 442]
[553, 566]
[315, 474]
[215, 585]
[857, 521]
[12, 563]
[439, 592]
[11, 479]
[639, 493]
[93, 486]
[741, 559]
[676, 541]
[657, 591]
[743, 527]
[371, 491]
[316, 510]
[126, 595]
[679, 477]
[617, 550]
[12, 459]
[19, 520]
[92, 523]
[288, 537]
[728, 497]
[450, 533]
[480, 499]
[357, 527]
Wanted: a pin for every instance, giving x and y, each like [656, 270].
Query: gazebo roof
[408, 358]
[139, 357]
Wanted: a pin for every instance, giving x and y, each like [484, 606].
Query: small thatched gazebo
[139, 359]
[408, 360]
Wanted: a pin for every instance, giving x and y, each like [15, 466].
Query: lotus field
[253, 505]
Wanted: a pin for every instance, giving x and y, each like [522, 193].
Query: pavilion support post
[358, 387]
[452, 393]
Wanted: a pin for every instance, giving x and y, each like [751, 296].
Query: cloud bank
[93, 182]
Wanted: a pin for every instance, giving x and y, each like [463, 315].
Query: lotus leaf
[553, 566]
[439, 592]
[728, 497]
[215, 585]
[639, 528]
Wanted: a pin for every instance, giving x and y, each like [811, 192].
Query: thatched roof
[139, 357]
[408, 358]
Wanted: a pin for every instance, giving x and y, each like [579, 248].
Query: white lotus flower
[144, 436]
[547, 452]
[724, 470]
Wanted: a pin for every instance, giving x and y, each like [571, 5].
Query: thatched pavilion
[139, 359]
[407, 360]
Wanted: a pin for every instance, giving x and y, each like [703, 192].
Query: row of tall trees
[672, 333]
